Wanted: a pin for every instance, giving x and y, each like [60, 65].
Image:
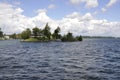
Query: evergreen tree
[46, 31]
[56, 34]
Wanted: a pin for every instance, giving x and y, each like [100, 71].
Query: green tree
[56, 34]
[26, 34]
[68, 37]
[1, 33]
[79, 38]
[46, 31]
[13, 36]
[36, 32]
[64, 38]
[57, 30]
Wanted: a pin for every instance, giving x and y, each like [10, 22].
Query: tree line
[45, 34]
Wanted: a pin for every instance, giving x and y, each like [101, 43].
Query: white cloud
[88, 3]
[76, 1]
[111, 2]
[12, 20]
[91, 3]
[41, 11]
[51, 6]
[73, 15]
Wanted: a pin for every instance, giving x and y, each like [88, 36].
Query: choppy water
[92, 59]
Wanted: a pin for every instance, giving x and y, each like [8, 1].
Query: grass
[31, 40]
[1, 39]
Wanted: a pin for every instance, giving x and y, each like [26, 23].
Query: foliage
[26, 34]
[1, 33]
[36, 32]
[56, 34]
[69, 37]
[13, 36]
[47, 32]
[79, 38]
[32, 40]
[44, 34]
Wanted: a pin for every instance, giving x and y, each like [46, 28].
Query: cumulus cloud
[111, 2]
[88, 3]
[13, 21]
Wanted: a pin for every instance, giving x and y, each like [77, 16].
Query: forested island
[43, 35]
[37, 34]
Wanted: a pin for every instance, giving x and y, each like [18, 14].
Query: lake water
[91, 59]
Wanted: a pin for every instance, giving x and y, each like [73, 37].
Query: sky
[81, 17]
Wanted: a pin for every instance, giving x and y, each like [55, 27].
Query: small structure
[6, 37]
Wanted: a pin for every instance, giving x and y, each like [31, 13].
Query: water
[91, 59]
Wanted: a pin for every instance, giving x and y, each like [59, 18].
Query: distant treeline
[98, 37]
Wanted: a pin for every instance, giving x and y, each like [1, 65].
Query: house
[6, 37]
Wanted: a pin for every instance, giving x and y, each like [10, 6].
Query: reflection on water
[92, 59]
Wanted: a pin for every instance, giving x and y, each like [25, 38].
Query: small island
[44, 35]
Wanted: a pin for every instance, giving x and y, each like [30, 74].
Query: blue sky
[101, 15]
[64, 7]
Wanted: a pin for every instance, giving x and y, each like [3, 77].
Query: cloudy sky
[81, 17]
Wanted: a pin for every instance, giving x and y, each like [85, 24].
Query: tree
[68, 37]
[79, 38]
[46, 31]
[64, 38]
[26, 34]
[28, 31]
[36, 32]
[1, 33]
[57, 30]
[56, 34]
[13, 36]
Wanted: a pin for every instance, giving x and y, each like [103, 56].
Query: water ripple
[92, 59]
